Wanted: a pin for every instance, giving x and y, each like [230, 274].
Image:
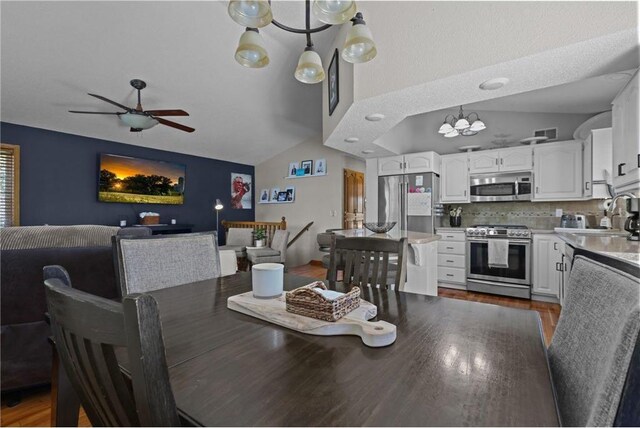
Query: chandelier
[253, 14]
[462, 125]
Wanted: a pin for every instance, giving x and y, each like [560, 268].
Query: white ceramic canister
[267, 280]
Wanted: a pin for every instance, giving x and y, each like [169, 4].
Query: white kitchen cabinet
[452, 264]
[412, 163]
[454, 178]
[422, 162]
[516, 159]
[557, 171]
[626, 137]
[503, 160]
[547, 258]
[391, 165]
[597, 163]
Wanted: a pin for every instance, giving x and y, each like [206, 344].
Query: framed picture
[264, 196]
[291, 193]
[307, 167]
[274, 194]
[321, 167]
[334, 87]
[282, 196]
[293, 169]
[241, 198]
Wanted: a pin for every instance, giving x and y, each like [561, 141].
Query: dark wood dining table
[454, 363]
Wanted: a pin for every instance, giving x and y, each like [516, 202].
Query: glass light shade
[250, 13]
[138, 120]
[461, 124]
[359, 46]
[452, 133]
[478, 125]
[218, 205]
[251, 52]
[468, 132]
[309, 68]
[334, 11]
[445, 128]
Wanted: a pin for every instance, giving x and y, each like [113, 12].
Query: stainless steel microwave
[505, 186]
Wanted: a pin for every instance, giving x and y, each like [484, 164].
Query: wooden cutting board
[373, 334]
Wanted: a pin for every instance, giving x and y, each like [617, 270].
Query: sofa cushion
[29, 237]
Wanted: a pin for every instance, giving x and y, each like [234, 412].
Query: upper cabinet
[454, 178]
[596, 164]
[557, 171]
[626, 138]
[504, 160]
[409, 164]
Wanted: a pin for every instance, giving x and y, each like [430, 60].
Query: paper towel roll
[267, 280]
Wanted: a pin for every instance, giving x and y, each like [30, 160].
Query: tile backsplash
[535, 215]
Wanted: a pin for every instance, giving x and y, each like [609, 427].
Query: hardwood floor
[35, 408]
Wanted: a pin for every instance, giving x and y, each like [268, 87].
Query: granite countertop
[412, 237]
[618, 247]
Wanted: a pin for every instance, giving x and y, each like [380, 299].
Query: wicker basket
[304, 301]
[150, 219]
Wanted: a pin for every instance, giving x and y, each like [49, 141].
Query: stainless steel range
[510, 279]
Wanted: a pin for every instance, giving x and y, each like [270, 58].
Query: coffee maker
[632, 225]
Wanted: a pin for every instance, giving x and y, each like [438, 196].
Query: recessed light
[367, 152]
[493, 84]
[352, 139]
[375, 117]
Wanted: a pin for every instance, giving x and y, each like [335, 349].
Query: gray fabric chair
[238, 239]
[594, 342]
[277, 253]
[148, 263]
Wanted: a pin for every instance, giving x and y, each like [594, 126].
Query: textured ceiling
[53, 53]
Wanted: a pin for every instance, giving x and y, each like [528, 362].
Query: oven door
[518, 272]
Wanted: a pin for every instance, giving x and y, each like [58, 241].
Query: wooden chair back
[87, 330]
[270, 227]
[366, 261]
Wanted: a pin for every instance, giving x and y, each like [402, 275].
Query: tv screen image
[140, 181]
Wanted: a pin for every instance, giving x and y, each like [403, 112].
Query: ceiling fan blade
[176, 112]
[110, 102]
[91, 112]
[174, 124]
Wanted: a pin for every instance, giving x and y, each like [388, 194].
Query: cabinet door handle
[557, 266]
[537, 189]
[449, 248]
[501, 161]
[496, 161]
[638, 160]
[465, 193]
[620, 173]
[449, 261]
[449, 274]
[555, 245]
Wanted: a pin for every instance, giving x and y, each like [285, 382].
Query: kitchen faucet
[612, 206]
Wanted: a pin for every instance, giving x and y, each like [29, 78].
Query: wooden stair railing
[295, 238]
[269, 226]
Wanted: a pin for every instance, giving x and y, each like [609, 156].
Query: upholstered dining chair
[238, 239]
[276, 253]
[594, 355]
[367, 261]
[147, 263]
[87, 329]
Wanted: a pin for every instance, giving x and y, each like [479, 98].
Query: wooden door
[353, 199]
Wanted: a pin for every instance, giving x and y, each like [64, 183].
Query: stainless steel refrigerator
[411, 200]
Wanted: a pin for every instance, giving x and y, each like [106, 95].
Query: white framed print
[273, 196]
[291, 193]
[264, 196]
[293, 169]
[320, 167]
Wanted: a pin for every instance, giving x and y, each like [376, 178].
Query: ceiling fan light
[477, 125]
[334, 11]
[309, 69]
[468, 132]
[359, 46]
[138, 120]
[251, 51]
[445, 128]
[250, 13]
[452, 133]
[461, 124]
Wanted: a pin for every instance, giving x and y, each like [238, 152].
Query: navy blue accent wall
[59, 181]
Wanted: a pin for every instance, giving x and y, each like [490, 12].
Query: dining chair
[238, 239]
[367, 262]
[87, 330]
[147, 263]
[276, 253]
[594, 355]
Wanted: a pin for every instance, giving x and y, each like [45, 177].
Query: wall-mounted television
[140, 181]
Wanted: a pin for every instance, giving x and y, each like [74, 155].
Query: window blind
[9, 185]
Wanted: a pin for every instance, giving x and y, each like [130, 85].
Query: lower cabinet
[547, 265]
[452, 265]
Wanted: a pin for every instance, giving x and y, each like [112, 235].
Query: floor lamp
[218, 207]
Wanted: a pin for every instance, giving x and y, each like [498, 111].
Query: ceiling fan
[139, 119]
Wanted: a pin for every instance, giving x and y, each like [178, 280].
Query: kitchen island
[421, 259]
[615, 246]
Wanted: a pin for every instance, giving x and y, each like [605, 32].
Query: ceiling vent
[551, 133]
